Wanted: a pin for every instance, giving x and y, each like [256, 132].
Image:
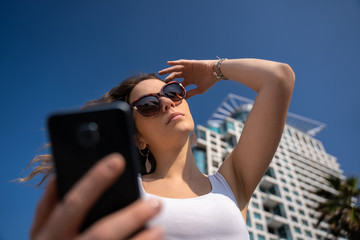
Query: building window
[294, 219]
[254, 196]
[296, 193]
[251, 236]
[248, 221]
[261, 237]
[200, 160]
[289, 132]
[283, 180]
[270, 172]
[302, 212]
[291, 209]
[281, 172]
[279, 210]
[305, 222]
[259, 226]
[255, 205]
[201, 134]
[215, 129]
[215, 164]
[308, 234]
[298, 202]
[286, 189]
[232, 141]
[288, 198]
[257, 215]
[275, 190]
[284, 232]
[230, 125]
[297, 230]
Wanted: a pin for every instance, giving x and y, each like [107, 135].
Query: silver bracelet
[218, 74]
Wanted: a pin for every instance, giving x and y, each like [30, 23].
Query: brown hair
[119, 93]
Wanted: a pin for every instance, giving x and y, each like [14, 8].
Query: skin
[176, 170]
[245, 166]
[60, 220]
[176, 175]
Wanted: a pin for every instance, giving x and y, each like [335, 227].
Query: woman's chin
[185, 127]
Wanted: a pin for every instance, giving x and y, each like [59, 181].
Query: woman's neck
[175, 162]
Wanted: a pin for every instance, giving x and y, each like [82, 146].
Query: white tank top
[211, 216]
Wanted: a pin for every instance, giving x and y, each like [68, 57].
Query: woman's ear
[140, 143]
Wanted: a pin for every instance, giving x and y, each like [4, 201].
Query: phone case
[80, 138]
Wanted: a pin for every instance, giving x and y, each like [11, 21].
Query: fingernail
[113, 163]
[153, 203]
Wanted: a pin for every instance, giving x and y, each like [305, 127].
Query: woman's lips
[174, 116]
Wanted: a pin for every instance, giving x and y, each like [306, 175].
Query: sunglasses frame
[157, 96]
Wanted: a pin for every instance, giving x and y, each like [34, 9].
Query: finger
[177, 68]
[173, 75]
[125, 222]
[44, 207]
[154, 233]
[192, 93]
[75, 205]
[177, 62]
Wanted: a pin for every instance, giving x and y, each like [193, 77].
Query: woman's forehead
[146, 87]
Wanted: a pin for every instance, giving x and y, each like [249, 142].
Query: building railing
[271, 200]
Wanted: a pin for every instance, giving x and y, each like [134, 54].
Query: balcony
[276, 221]
[267, 182]
[271, 200]
[311, 204]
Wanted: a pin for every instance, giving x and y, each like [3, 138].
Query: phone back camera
[88, 134]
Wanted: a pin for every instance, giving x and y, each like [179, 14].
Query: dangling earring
[147, 162]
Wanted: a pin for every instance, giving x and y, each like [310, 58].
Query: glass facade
[200, 159]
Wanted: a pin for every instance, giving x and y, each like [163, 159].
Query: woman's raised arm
[274, 82]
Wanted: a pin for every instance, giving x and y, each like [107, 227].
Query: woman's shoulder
[221, 186]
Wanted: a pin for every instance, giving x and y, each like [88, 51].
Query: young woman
[194, 206]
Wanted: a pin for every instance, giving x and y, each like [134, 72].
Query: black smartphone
[82, 137]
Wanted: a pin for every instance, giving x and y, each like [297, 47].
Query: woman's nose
[166, 103]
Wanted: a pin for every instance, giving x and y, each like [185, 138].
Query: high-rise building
[282, 206]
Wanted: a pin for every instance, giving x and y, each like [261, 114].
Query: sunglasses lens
[148, 105]
[174, 91]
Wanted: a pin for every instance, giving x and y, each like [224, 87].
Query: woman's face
[174, 119]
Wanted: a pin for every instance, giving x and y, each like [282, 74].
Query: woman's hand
[198, 72]
[61, 220]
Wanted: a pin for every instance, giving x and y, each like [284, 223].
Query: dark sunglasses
[150, 104]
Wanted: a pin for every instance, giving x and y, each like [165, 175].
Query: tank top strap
[221, 186]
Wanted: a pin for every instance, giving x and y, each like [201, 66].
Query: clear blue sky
[60, 54]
